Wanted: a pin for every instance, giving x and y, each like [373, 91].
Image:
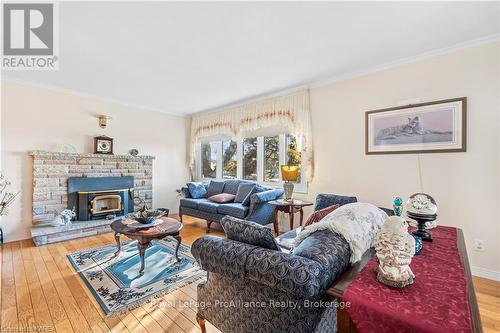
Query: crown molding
[7, 79]
[317, 83]
[405, 61]
[314, 83]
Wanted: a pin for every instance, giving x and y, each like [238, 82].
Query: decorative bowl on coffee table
[147, 216]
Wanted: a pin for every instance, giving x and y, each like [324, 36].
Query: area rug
[115, 281]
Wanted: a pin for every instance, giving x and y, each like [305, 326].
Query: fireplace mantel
[51, 171]
[86, 155]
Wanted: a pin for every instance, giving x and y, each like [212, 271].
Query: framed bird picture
[103, 145]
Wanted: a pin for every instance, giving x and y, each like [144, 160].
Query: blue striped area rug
[115, 281]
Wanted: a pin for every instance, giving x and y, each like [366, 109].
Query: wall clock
[103, 145]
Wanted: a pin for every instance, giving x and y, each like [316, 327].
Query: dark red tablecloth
[435, 302]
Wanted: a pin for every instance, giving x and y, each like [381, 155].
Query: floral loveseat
[257, 208]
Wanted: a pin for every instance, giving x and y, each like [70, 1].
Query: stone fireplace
[98, 184]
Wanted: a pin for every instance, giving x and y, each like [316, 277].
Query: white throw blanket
[356, 222]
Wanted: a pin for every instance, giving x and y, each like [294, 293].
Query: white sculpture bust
[395, 248]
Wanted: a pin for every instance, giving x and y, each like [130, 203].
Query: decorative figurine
[418, 244]
[422, 208]
[395, 248]
[398, 206]
[421, 204]
[64, 218]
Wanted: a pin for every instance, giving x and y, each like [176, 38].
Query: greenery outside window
[272, 159]
[229, 159]
[209, 160]
[256, 159]
[293, 155]
[250, 159]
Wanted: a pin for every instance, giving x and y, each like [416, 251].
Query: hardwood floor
[41, 292]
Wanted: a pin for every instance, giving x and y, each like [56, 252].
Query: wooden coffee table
[291, 207]
[144, 235]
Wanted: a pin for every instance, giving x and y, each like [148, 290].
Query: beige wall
[36, 118]
[465, 185]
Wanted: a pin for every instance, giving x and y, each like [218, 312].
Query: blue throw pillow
[249, 232]
[244, 189]
[257, 189]
[246, 201]
[197, 190]
[214, 187]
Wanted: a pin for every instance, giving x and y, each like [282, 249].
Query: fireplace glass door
[106, 204]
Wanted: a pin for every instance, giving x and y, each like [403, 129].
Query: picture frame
[431, 127]
[103, 145]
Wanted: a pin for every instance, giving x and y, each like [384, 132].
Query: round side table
[291, 207]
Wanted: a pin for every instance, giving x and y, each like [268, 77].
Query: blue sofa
[258, 209]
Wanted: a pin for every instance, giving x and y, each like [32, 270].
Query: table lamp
[289, 173]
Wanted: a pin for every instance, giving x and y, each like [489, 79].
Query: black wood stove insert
[96, 197]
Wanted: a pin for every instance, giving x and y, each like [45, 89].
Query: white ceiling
[188, 57]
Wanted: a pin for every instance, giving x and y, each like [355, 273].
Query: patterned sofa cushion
[244, 189]
[325, 200]
[329, 249]
[219, 255]
[197, 190]
[208, 206]
[222, 198]
[320, 214]
[190, 203]
[233, 209]
[257, 189]
[286, 272]
[231, 186]
[215, 187]
[249, 232]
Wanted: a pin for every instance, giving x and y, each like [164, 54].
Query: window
[229, 159]
[256, 159]
[209, 160]
[250, 159]
[293, 156]
[271, 159]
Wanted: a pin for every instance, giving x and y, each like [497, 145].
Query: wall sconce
[103, 121]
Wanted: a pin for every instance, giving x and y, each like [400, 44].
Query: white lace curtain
[288, 114]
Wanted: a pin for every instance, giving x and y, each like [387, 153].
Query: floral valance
[288, 114]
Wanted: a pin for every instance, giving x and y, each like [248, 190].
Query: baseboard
[485, 273]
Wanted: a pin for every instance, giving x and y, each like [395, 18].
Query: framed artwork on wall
[433, 127]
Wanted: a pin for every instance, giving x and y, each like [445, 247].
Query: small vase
[288, 187]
